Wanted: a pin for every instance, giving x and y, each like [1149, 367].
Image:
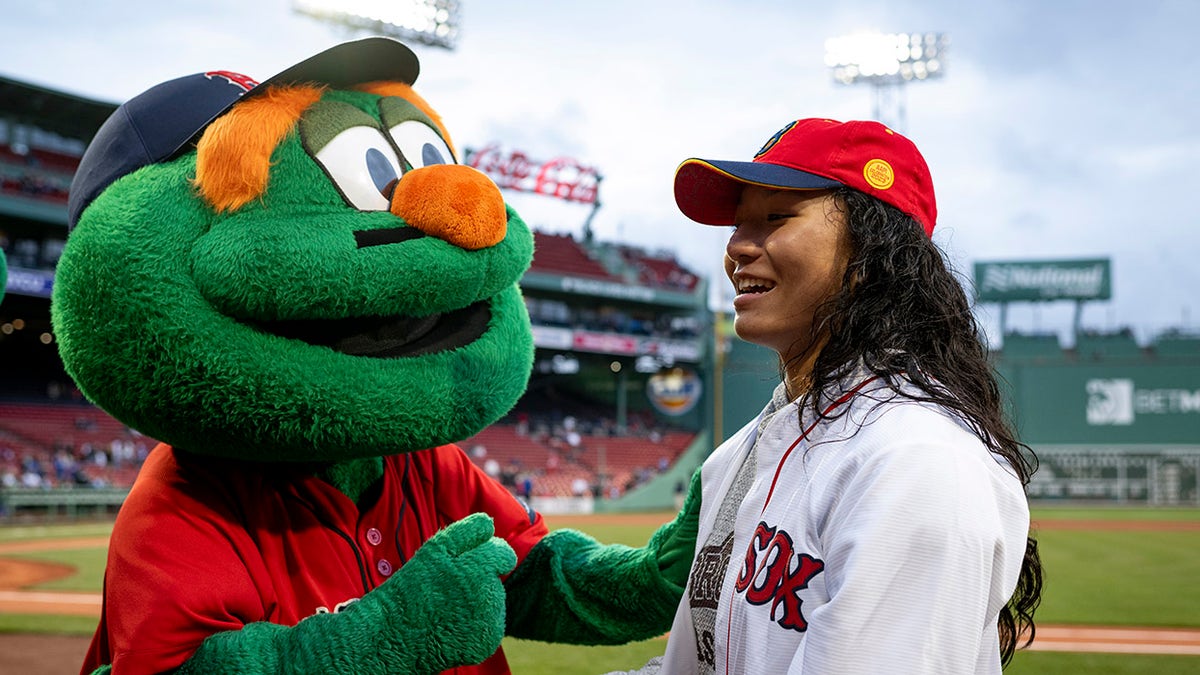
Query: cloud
[1061, 129]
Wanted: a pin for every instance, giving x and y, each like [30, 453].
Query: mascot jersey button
[384, 567]
[374, 537]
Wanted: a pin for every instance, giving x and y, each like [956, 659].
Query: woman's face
[786, 256]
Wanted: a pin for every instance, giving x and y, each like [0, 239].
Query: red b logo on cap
[244, 81]
[773, 140]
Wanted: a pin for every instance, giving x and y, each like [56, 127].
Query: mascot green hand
[298, 290]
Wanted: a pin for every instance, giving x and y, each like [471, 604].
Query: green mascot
[294, 286]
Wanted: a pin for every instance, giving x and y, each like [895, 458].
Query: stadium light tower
[887, 62]
[430, 22]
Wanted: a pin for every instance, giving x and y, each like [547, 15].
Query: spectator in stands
[580, 487]
[31, 464]
[574, 445]
[64, 466]
[31, 473]
[508, 475]
[875, 512]
[492, 468]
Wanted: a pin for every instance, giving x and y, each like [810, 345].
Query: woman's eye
[421, 145]
[363, 166]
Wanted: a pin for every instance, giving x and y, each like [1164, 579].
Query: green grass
[1092, 577]
[630, 535]
[538, 658]
[25, 532]
[1115, 512]
[43, 624]
[88, 563]
[1067, 663]
[1115, 578]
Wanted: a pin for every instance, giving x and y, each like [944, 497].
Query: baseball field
[1121, 595]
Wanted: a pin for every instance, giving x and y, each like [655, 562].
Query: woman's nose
[452, 202]
[740, 245]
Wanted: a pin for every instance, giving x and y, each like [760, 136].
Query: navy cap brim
[351, 63]
[707, 191]
[343, 65]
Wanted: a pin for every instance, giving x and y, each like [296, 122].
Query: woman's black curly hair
[901, 310]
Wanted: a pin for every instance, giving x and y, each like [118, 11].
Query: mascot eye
[362, 165]
[421, 145]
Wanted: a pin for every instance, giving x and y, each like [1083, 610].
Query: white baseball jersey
[885, 541]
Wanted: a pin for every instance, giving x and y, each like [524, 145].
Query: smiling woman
[873, 517]
[785, 259]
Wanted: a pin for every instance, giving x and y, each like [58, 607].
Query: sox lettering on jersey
[774, 573]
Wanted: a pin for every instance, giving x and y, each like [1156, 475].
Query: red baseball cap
[814, 154]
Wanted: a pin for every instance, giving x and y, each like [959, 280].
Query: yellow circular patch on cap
[879, 174]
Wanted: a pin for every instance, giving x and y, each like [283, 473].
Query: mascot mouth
[388, 336]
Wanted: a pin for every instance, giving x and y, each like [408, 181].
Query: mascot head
[297, 270]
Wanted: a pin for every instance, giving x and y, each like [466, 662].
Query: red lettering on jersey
[760, 540]
[776, 579]
[788, 593]
[245, 82]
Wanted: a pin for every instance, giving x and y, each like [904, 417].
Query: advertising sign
[674, 392]
[1152, 403]
[37, 283]
[1043, 280]
[560, 177]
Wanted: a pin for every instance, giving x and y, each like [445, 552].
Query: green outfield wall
[1105, 403]
[1141, 474]
[1108, 423]
[1119, 429]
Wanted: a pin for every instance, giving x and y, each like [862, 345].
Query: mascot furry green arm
[295, 287]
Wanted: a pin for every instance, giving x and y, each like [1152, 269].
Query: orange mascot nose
[454, 203]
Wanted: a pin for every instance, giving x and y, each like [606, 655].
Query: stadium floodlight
[886, 58]
[430, 22]
[886, 61]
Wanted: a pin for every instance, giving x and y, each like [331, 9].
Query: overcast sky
[1062, 128]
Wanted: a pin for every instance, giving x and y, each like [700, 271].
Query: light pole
[430, 22]
[887, 62]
